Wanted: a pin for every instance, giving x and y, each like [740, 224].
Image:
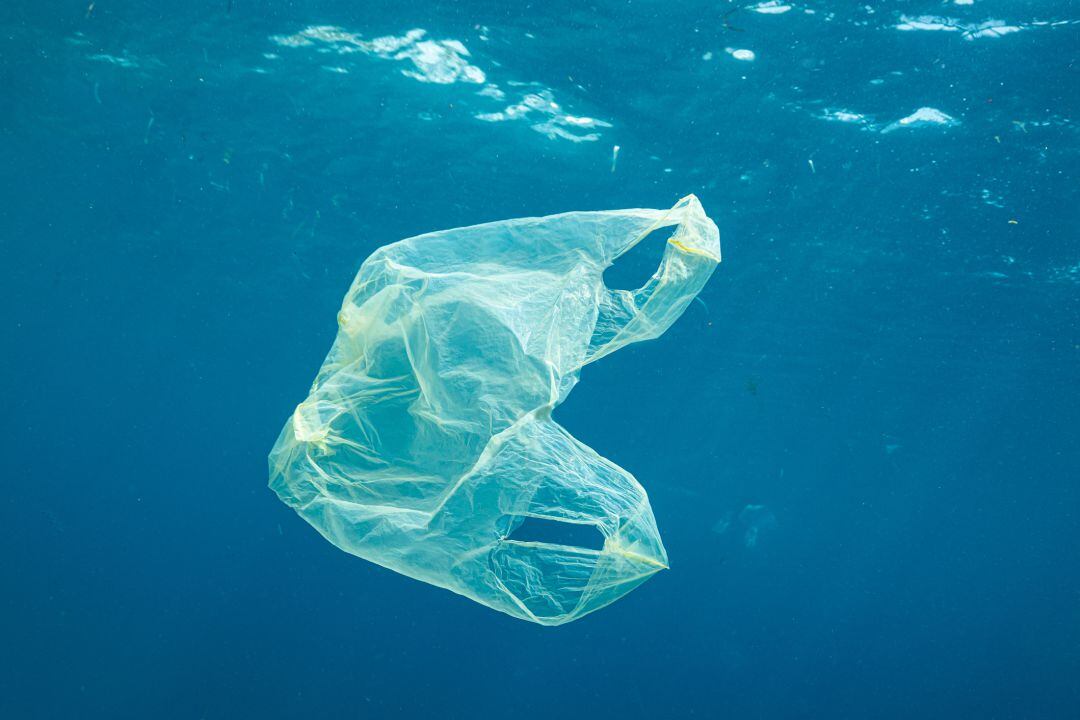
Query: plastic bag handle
[691, 255]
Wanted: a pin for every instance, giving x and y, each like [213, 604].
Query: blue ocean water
[860, 446]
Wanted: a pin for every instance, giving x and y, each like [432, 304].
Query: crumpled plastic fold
[427, 438]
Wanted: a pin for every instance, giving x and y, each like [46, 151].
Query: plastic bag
[427, 437]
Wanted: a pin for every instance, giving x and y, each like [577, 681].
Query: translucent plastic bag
[427, 438]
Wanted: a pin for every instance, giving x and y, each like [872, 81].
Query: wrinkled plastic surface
[427, 438]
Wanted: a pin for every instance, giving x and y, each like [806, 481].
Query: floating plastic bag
[427, 438]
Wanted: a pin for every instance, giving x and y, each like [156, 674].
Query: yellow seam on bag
[692, 251]
[640, 558]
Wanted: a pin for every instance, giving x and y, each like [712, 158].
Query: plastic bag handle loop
[691, 255]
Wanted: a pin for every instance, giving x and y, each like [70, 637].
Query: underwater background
[860, 446]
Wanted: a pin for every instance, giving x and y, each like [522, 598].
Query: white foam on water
[442, 62]
[928, 23]
[446, 62]
[969, 31]
[550, 120]
[922, 117]
[772, 7]
[433, 61]
[845, 116]
[993, 28]
[741, 54]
